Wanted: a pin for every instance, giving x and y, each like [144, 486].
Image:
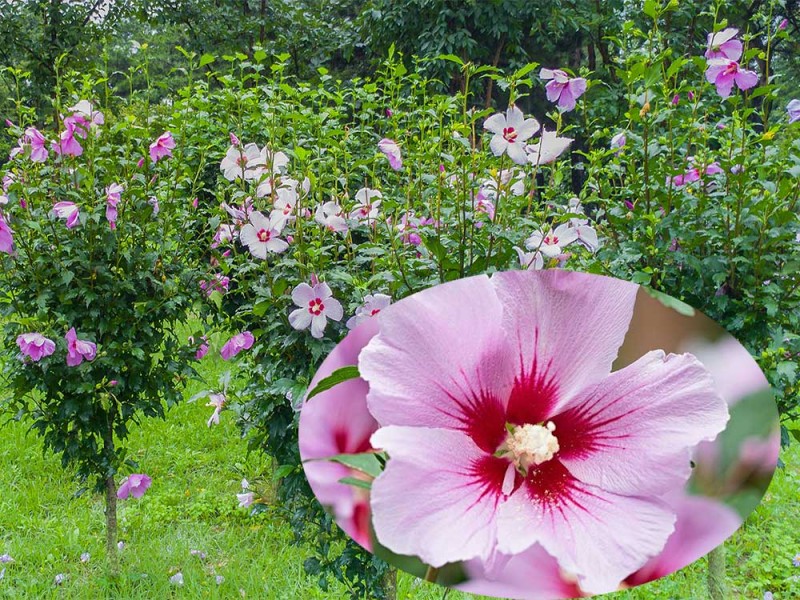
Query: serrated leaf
[335, 378]
[206, 59]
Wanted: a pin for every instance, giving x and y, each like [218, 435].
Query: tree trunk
[262, 30]
[111, 498]
[716, 573]
[111, 528]
[389, 584]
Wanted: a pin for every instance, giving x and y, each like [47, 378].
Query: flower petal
[565, 329]
[300, 318]
[632, 433]
[436, 357]
[450, 490]
[598, 535]
[496, 123]
[303, 294]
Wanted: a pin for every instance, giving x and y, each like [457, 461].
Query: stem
[716, 573]
[432, 574]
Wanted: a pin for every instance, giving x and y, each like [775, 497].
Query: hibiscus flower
[506, 428]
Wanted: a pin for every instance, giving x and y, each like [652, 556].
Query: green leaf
[677, 305]
[216, 298]
[356, 482]
[651, 9]
[451, 58]
[282, 471]
[338, 376]
[366, 462]
[206, 59]
[520, 73]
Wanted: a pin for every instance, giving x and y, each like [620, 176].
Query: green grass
[196, 473]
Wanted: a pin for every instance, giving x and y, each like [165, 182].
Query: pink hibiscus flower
[531, 575]
[511, 131]
[33, 140]
[6, 237]
[373, 305]
[260, 236]
[723, 45]
[234, 164]
[317, 305]
[329, 215]
[240, 341]
[86, 116]
[67, 143]
[391, 151]
[793, 108]
[162, 147]
[724, 73]
[335, 422]
[548, 148]
[35, 346]
[134, 485]
[78, 350]
[695, 174]
[68, 211]
[563, 89]
[523, 435]
[113, 195]
[702, 525]
[368, 202]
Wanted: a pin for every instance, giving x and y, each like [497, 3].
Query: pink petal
[598, 535]
[624, 435]
[532, 575]
[318, 323]
[337, 421]
[516, 152]
[554, 90]
[303, 294]
[498, 144]
[746, 79]
[566, 329]
[300, 318]
[436, 356]
[702, 525]
[450, 491]
[495, 124]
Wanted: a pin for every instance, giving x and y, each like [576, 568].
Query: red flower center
[315, 306]
[374, 312]
[263, 235]
[732, 68]
[509, 134]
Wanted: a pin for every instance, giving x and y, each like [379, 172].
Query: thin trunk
[716, 574]
[390, 584]
[262, 32]
[111, 528]
[111, 498]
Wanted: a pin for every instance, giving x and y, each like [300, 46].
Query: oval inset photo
[539, 434]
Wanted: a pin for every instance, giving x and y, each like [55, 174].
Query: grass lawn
[192, 505]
